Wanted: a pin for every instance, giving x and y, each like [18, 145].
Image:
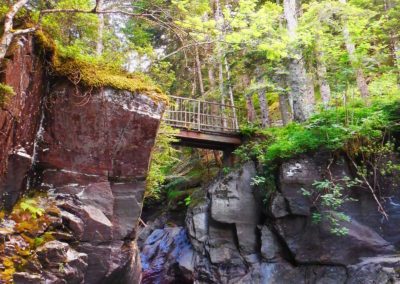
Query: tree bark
[199, 75]
[351, 49]
[394, 46]
[251, 112]
[231, 98]
[300, 92]
[324, 87]
[8, 32]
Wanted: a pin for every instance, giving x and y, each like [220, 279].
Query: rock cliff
[237, 237]
[88, 150]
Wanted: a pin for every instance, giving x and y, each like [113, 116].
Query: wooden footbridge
[204, 124]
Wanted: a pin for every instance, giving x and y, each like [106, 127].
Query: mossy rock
[6, 93]
[96, 75]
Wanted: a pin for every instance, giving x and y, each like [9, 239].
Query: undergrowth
[342, 128]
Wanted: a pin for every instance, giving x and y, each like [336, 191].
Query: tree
[351, 49]
[300, 92]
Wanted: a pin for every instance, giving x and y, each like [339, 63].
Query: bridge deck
[204, 124]
[212, 141]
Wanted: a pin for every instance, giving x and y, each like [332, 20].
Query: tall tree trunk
[284, 108]
[199, 75]
[219, 24]
[351, 49]
[324, 87]
[394, 46]
[251, 112]
[300, 92]
[262, 97]
[264, 108]
[284, 105]
[100, 29]
[231, 98]
[8, 32]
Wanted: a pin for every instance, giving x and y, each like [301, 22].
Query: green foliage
[258, 180]
[6, 92]
[188, 201]
[31, 206]
[333, 129]
[164, 156]
[328, 197]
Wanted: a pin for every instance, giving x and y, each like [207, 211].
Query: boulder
[270, 247]
[233, 194]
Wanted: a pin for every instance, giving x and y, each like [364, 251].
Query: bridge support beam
[213, 141]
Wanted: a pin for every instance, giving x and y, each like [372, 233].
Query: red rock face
[102, 132]
[91, 150]
[19, 121]
[94, 152]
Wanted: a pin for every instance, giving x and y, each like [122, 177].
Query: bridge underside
[213, 141]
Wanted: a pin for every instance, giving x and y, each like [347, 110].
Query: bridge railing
[200, 115]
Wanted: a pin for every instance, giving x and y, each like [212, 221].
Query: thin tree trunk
[100, 28]
[394, 46]
[264, 108]
[324, 87]
[262, 98]
[284, 108]
[199, 75]
[232, 100]
[300, 92]
[284, 105]
[219, 24]
[100, 31]
[351, 49]
[8, 33]
[251, 112]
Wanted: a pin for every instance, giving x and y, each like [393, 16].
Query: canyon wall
[234, 233]
[88, 150]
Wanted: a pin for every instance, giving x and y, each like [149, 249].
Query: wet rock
[277, 206]
[61, 263]
[98, 195]
[98, 227]
[52, 253]
[167, 257]
[234, 194]
[270, 247]
[21, 118]
[381, 269]
[128, 198]
[311, 243]
[74, 223]
[27, 278]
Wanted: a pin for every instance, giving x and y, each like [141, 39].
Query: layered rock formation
[89, 149]
[237, 237]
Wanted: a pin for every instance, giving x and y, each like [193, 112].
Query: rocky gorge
[232, 235]
[73, 166]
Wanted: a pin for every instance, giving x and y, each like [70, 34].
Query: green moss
[6, 92]
[96, 74]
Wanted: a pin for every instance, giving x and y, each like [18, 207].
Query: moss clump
[33, 217]
[6, 92]
[95, 74]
